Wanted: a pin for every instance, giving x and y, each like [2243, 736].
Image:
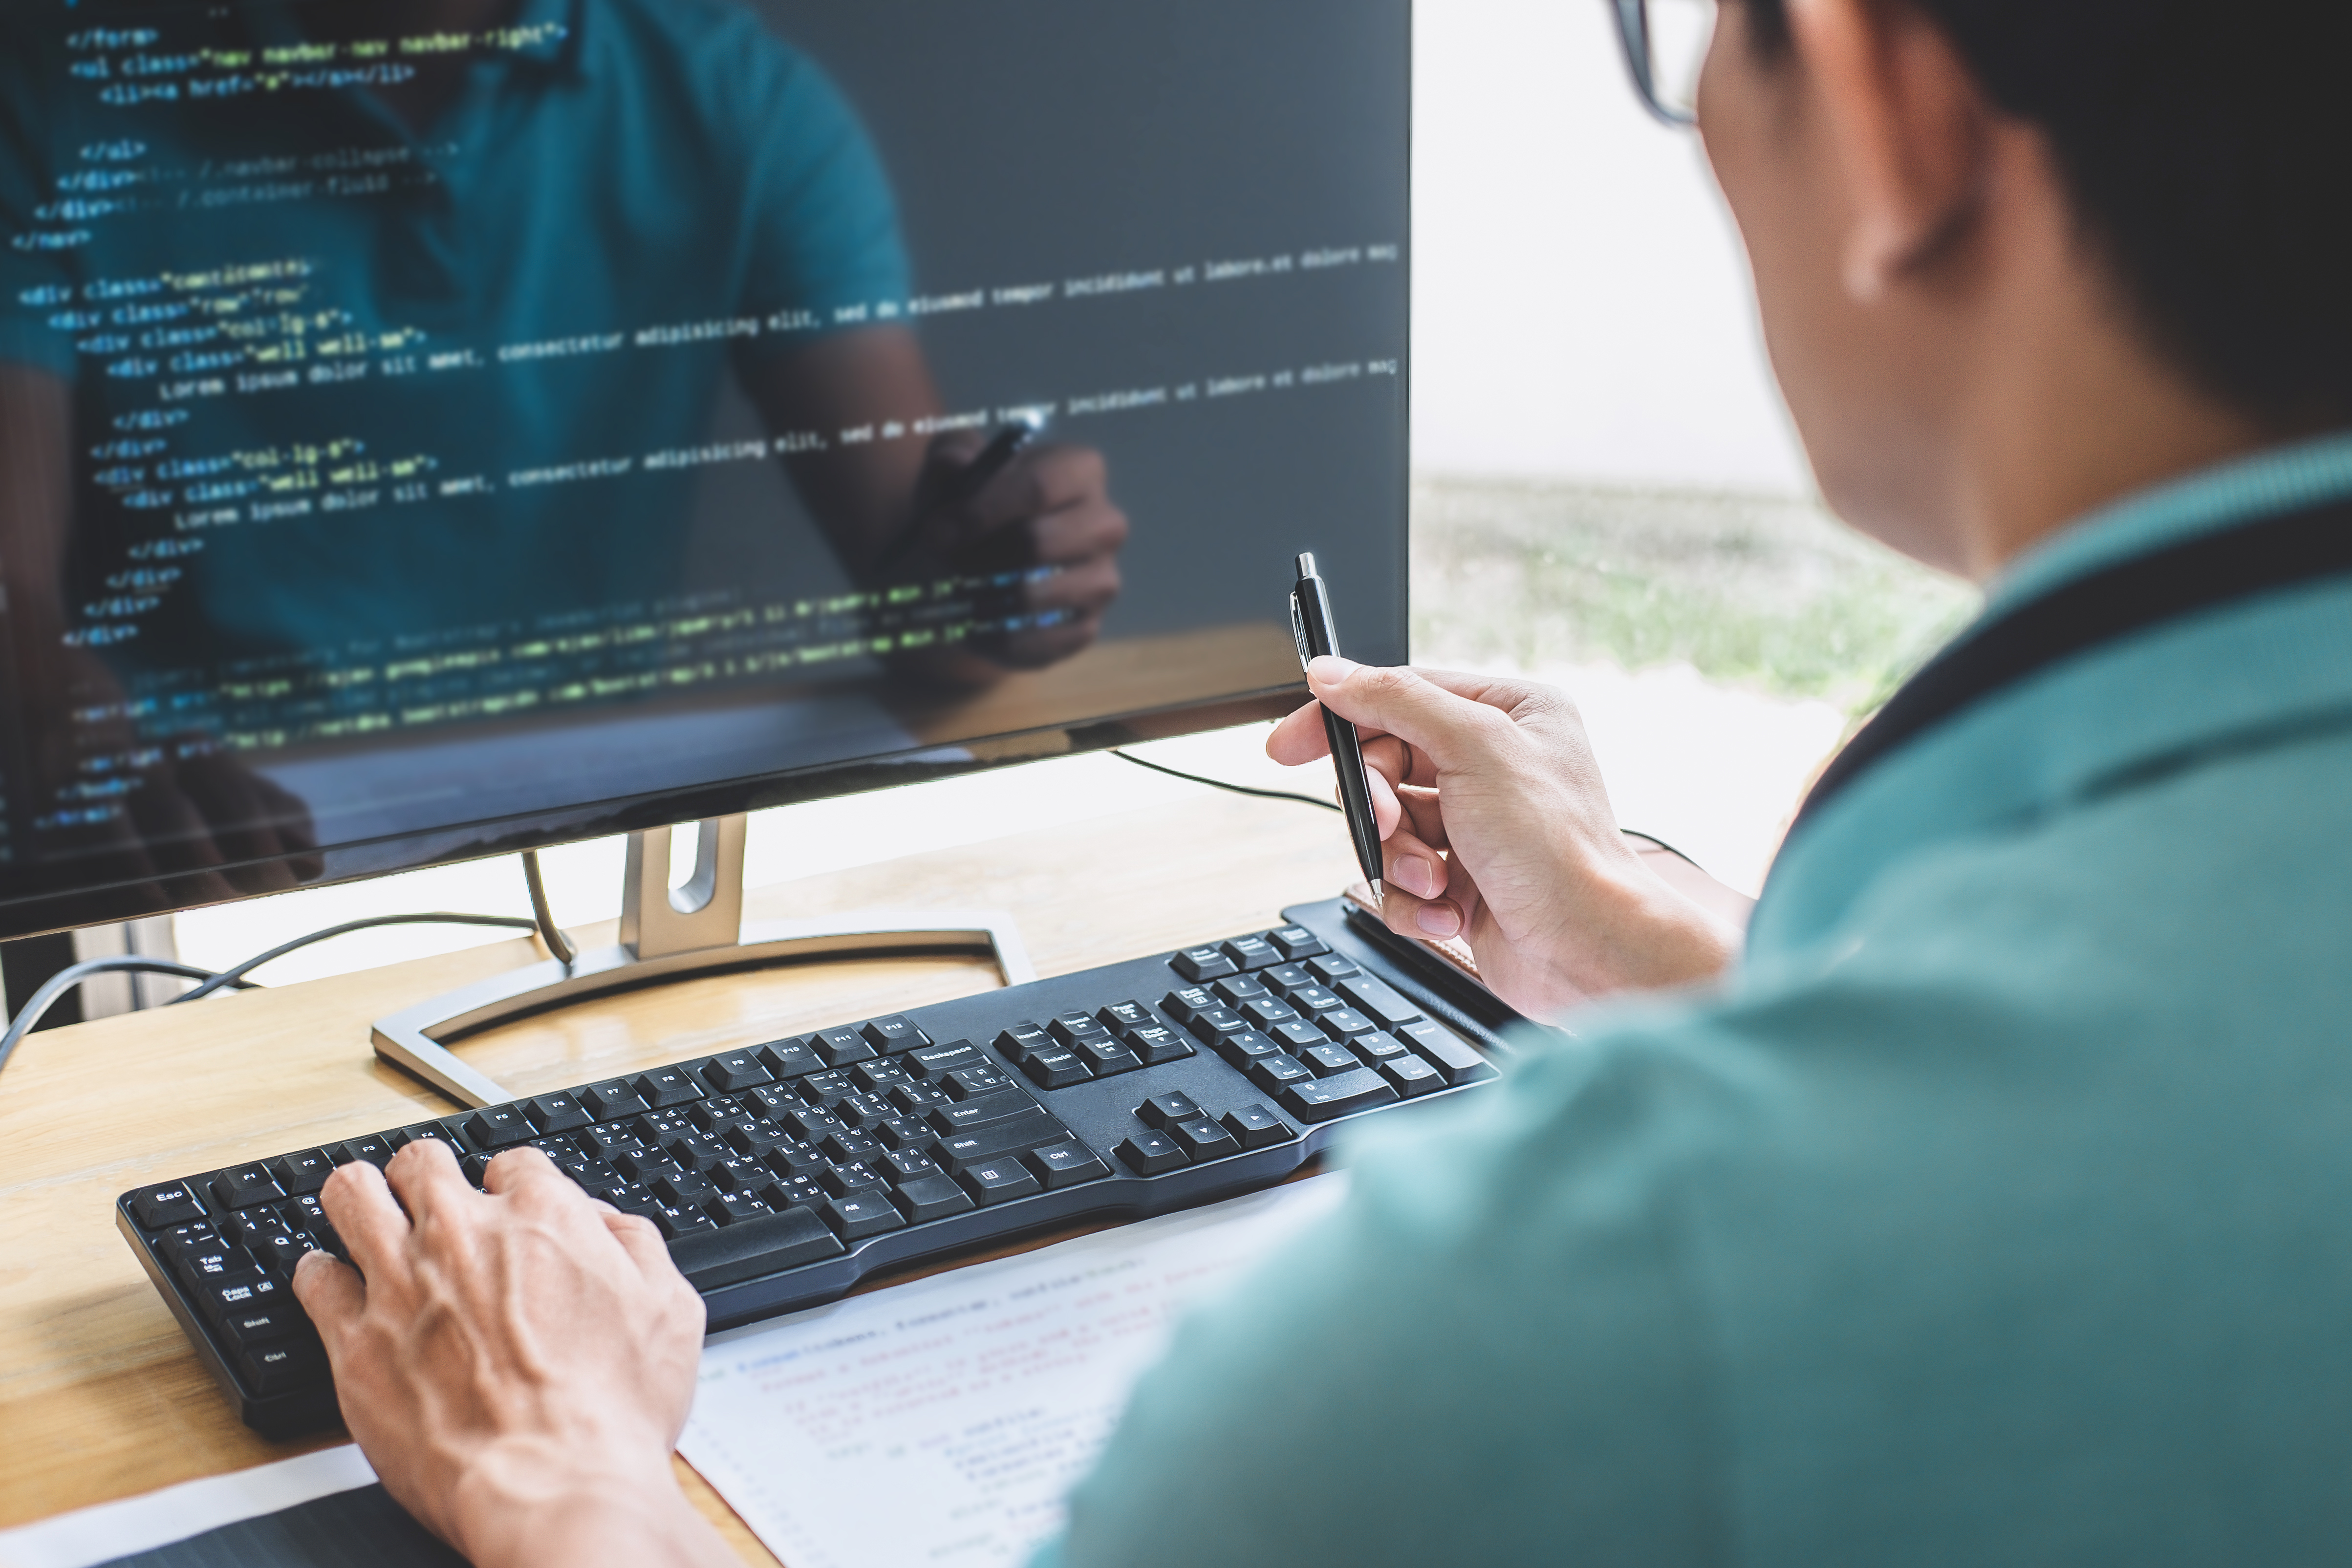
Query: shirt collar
[2268, 484]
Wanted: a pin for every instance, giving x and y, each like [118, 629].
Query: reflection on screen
[418, 413]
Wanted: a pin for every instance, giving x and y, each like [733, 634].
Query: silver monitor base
[671, 935]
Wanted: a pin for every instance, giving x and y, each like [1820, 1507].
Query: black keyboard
[785, 1173]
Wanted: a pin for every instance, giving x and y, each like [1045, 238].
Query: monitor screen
[436, 427]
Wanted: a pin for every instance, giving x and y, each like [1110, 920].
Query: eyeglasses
[1665, 44]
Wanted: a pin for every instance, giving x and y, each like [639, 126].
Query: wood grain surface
[99, 1395]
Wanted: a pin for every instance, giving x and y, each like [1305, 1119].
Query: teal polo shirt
[1993, 1211]
[443, 358]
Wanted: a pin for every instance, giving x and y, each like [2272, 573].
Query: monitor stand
[673, 934]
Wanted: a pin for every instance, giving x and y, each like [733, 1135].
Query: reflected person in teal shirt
[1984, 1202]
[403, 325]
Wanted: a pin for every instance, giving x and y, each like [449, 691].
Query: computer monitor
[436, 428]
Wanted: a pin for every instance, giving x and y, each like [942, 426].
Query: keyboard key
[973, 1113]
[684, 1191]
[281, 1365]
[787, 1192]
[1266, 1013]
[738, 1174]
[789, 1059]
[239, 1290]
[934, 1061]
[1201, 1139]
[905, 1133]
[1121, 1016]
[1331, 968]
[612, 1100]
[173, 1203]
[914, 1098]
[842, 1046]
[1074, 1029]
[257, 1325]
[998, 1181]
[200, 1262]
[753, 1139]
[1064, 1164]
[245, 1185]
[973, 1082]
[1411, 1075]
[733, 1069]
[666, 1086]
[1329, 1061]
[1376, 1047]
[1296, 942]
[498, 1127]
[1156, 1043]
[861, 1215]
[824, 1088]
[1021, 1039]
[1279, 1070]
[1241, 990]
[433, 1132]
[1056, 1068]
[1029, 1132]
[901, 1166]
[1341, 1022]
[726, 1208]
[843, 1180]
[1246, 1047]
[252, 1227]
[1320, 1099]
[847, 1148]
[1251, 953]
[932, 1196]
[677, 1221]
[1256, 1127]
[1297, 1034]
[896, 1033]
[1209, 1022]
[1285, 979]
[1448, 1052]
[1377, 1002]
[558, 1113]
[1198, 964]
[1150, 1153]
[1313, 999]
[1106, 1057]
[1162, 1108]
[695, 1151]
[1188, 1003]
[745, 1250]
[878, 1076]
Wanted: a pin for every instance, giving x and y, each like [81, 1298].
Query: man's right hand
[1497, 828]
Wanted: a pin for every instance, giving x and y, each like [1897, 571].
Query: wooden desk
[100, 1397]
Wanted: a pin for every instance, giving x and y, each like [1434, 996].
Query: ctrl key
[282, 1364]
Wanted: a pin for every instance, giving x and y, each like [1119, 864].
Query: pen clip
[1298, 631]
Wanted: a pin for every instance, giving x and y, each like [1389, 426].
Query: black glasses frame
[1633, 33]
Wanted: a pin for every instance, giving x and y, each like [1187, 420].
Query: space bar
[750, 1247]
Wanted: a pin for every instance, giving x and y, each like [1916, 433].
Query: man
[1987, 1208]
[418, 343]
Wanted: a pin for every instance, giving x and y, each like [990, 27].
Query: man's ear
[1910, 126]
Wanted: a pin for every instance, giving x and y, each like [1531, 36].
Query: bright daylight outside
[1607, 497]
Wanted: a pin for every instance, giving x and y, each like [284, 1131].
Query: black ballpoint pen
[995, 457]
[1310, 623]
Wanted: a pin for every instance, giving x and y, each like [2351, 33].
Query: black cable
[1223, 784]
[73, 975]
[550, 932]
[236, 976]
[1329, 806]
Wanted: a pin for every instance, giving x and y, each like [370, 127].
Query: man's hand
[517, 1364]
[1049, 514]
[1497, 826]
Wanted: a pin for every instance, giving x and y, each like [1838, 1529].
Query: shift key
[970, 1115]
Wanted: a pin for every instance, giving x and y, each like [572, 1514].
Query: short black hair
[2207, 147]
